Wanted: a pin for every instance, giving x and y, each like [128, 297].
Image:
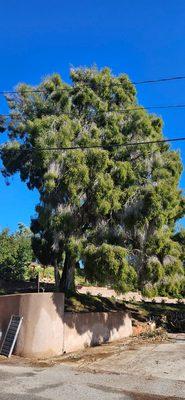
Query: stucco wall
[88, 329]
[47, 331]
[41, 332]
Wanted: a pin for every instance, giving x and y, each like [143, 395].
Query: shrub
[15, 253]
[149, 290]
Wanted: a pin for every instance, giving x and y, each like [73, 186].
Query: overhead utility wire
[127, 144]
[160, 80]
[156, 107]
[4, 92]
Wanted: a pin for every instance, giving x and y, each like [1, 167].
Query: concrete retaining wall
[88, 329]
[47, 331]
[41, 333]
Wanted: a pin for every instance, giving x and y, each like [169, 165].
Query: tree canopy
[111, 205]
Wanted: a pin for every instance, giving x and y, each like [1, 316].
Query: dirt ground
[129, 296]
[149, 367]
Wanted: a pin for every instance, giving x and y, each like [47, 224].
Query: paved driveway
[125, 370]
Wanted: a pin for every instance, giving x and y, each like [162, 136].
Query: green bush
[15, 253]
[154, 271]
[149, 290]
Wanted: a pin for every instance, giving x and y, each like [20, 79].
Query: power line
[159, 80]
[5, 92]
[162, 106]
[155, 107]
[104, 147]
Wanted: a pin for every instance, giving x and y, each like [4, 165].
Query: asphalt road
[154, 371]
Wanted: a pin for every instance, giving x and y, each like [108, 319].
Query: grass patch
[78, 302]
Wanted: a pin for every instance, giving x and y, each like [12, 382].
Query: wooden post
[38, 283]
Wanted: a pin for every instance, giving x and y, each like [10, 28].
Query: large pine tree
[114, 207]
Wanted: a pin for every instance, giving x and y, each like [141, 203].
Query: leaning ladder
[11, 335]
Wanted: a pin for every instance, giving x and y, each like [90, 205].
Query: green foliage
[179, 237]
[108, 265]
[149, 290]
[154, 271]
[172, 285]
[165, 270]
[15, 253]
[116, 206]
[33, 270]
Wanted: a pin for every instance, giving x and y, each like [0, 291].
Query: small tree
[15, 253]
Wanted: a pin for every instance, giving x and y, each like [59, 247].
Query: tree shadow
[99, 320]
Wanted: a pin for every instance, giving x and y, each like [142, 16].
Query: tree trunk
[67, 281]
[56, 274]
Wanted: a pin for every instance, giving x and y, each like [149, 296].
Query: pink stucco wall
[48, 331]
[89, 329]
[41, 333]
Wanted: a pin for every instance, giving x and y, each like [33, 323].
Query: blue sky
[143, 38]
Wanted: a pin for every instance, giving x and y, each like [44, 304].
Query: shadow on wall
[47, 330]
[83, 329]
[91, 329]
